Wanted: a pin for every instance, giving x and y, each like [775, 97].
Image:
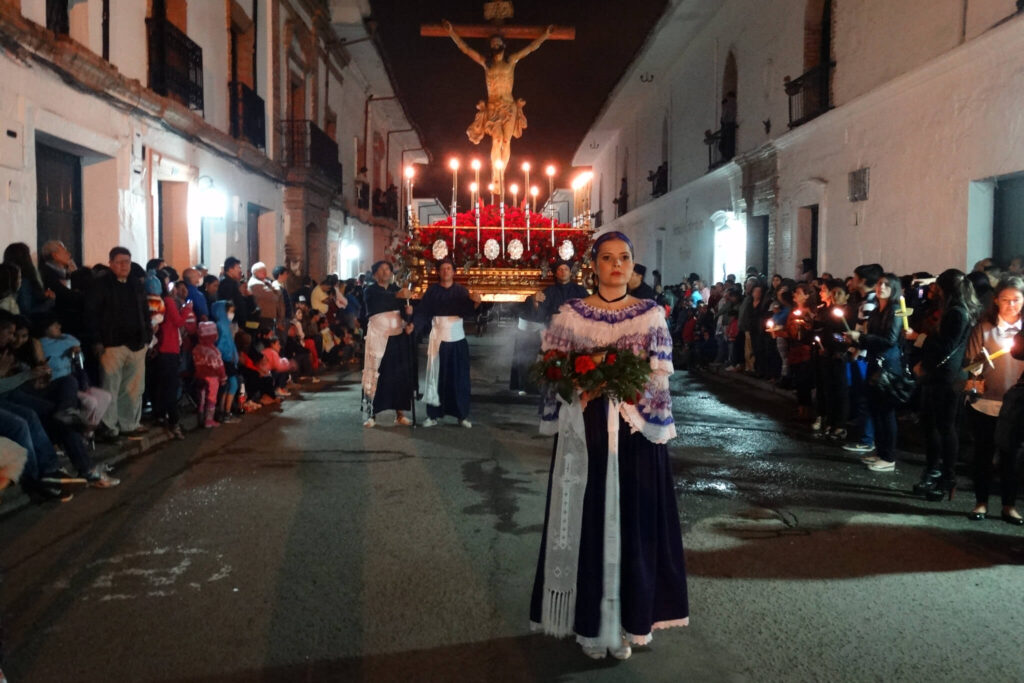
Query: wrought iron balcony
[248, 114]
[809, 94]
[306, 146]
[721, 145]
[175, 63]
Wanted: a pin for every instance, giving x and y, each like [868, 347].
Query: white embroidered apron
[565, 521]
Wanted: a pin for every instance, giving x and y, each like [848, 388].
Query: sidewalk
[15, 499]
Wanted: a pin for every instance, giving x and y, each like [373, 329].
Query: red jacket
[169, 334]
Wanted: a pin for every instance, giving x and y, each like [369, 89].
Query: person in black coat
[637, 286]
[883, 340]
[939, 373]
[230, 289]
[117, 324]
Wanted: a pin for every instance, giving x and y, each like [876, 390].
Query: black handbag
[898, 387]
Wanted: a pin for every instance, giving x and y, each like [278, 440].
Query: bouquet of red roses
[619, 374]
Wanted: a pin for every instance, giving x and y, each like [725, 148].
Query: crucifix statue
[501, 116]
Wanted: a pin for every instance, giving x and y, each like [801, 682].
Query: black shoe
[943, 488]
[977, 516]
[929, 480]
[105, 435]
[1016, 521]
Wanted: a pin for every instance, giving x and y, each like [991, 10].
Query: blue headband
[613, 235]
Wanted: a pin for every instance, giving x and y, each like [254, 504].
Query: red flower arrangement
[617, 373]
[468, 251]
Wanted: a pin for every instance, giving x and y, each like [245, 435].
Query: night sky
[564, 83]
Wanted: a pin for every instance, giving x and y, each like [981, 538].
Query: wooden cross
[497, 13]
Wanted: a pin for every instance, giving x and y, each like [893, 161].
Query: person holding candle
[882, 339]
[833, 386]
[940, 373]
[995, 334]
[798, 351]
[389, 373]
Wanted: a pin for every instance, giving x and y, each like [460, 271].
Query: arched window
[810, 93]
[730, 77]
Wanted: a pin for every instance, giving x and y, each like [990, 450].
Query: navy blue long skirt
[397, 376]
[653, 582]
[453, 381]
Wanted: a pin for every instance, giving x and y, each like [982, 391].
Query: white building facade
[190, 130]
[864, 131]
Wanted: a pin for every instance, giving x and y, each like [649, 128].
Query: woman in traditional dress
[389, 375]
[611, 568]
[442, 308]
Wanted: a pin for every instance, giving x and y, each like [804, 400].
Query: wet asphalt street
[298, 546]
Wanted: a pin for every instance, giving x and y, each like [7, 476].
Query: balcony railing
[175, 63]
[306, 146]
[248, 114]
[809, 94]
[721, 145]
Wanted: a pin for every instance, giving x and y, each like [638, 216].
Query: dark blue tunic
[453, 377]
[397, 370]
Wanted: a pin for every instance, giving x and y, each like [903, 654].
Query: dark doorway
[757, 243]
[807, 236]
[1008, 220]
[253, 234]
[59, 199]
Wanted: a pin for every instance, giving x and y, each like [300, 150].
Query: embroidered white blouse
[640, 327]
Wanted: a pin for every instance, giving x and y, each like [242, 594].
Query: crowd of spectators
[94, 354]
[830, 339]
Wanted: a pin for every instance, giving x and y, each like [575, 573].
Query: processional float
[502, 251]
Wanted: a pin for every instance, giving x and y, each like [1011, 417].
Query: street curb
[734, 378]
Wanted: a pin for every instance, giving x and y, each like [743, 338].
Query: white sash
[565, 520]
[443, 328]
[380, 328]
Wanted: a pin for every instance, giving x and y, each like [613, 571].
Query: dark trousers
[833, 389]
[168, 382]
[803, 377]
[859, 396]
[883, 416]
[22, 404]
[940, 402]
[984, 429]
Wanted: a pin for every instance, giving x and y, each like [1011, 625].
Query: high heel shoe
[943, 488]
[929, 480]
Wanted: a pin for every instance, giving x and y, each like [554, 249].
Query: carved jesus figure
[501, 116]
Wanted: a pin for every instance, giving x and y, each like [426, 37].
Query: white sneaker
[429, 422]
[882, 466]
[370, 423]
[466, 423]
